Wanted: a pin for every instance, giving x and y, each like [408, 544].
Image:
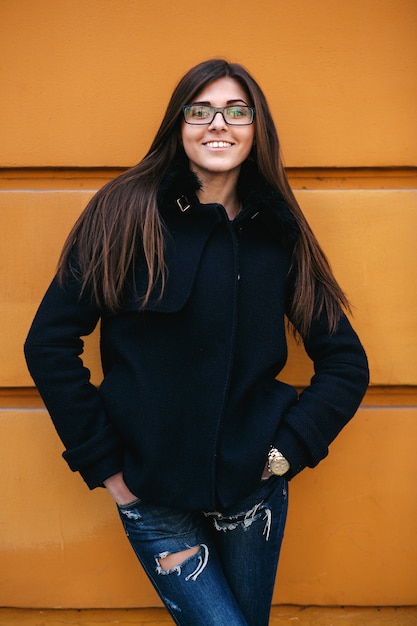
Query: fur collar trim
[258, 198]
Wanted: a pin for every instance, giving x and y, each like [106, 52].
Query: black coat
[189, 404]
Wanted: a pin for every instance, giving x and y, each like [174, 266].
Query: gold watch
[277, 463]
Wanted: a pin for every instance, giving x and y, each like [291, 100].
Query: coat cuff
[108, 466]
[98, 458]
[292, 445]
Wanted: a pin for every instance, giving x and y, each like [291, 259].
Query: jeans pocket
[129, 505]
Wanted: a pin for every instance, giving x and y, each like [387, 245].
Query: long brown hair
[125, 211]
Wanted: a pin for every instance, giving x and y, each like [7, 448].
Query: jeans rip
[202, 557]
[229, 520]
[243, 520]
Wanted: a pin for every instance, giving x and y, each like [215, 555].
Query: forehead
[222, 91]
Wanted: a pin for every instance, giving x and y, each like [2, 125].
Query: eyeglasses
[236, 115]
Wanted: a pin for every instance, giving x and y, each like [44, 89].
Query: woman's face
[218, 148]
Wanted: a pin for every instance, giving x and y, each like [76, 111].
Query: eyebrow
[227, 103]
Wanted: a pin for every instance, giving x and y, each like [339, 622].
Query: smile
[218, 144]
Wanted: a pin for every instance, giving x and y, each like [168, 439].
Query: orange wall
[84, 85]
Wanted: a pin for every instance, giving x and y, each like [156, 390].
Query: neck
[220, 189]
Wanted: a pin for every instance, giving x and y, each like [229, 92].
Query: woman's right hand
[118, 489]
[266, 474]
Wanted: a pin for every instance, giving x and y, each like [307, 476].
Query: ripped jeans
[230, 579]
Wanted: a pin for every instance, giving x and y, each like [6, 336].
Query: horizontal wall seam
[23, 409]
[356, 189]
[295, 189]
[372, 407]
[43, 191]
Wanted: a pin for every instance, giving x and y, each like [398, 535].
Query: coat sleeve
[53, 352]
[340, 380]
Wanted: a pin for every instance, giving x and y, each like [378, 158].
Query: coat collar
[180, 185]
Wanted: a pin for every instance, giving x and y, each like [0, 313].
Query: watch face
[278, 464]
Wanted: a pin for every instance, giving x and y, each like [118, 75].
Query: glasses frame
[216, 110]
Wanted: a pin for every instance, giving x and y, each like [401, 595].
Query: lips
[218, 144]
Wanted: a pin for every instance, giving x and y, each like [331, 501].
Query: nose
[218, 120]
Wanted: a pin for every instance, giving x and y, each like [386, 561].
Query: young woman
[192, 261]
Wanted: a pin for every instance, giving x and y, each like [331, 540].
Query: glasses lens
[198, 114]
[238, 115]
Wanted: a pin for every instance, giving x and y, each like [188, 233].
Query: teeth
[218, 144]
